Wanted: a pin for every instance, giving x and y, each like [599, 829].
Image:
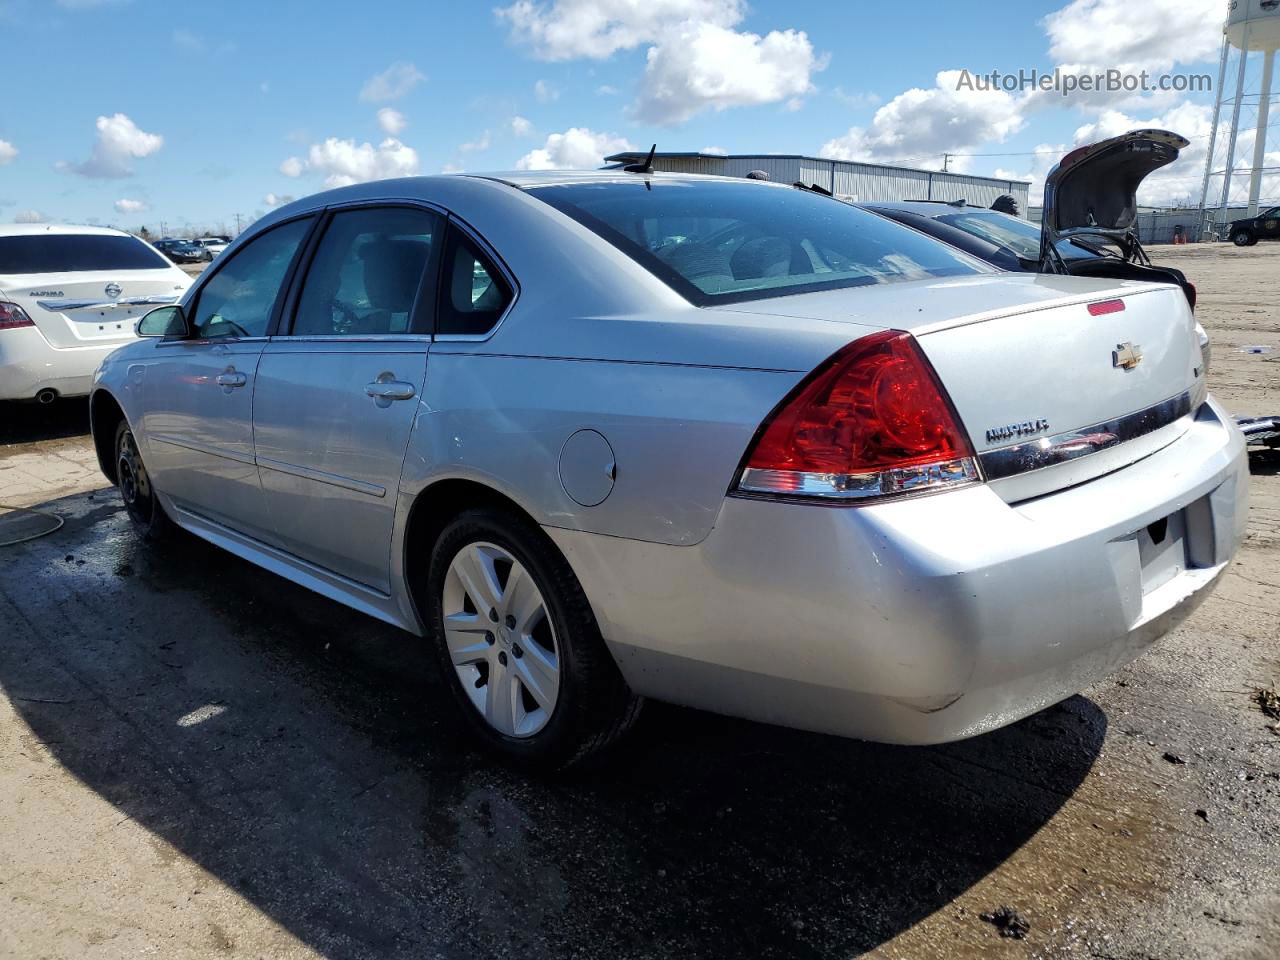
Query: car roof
[33, 229]
[546, 178]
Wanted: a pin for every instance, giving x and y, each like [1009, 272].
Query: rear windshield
[1013, 233]
[66, 253]
[718, 242]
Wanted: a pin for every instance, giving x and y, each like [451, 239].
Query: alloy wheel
[501, 639]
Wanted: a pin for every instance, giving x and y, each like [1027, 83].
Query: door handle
[231, 379]
[387, 388]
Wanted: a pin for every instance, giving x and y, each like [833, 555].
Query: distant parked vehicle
[184, 251]
[68, 297]
[1265, 226]
[215, 245]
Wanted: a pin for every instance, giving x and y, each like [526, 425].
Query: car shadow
[308, 758]
[29, 422]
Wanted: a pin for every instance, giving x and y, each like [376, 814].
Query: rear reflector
[872, 421]
[1103, 307]
[12, 315]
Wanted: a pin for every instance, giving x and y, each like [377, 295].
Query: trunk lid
[85, 308]
[1053, 397]
[1094, 189]
[1025, 361]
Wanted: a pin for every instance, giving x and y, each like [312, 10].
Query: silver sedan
[605, 436]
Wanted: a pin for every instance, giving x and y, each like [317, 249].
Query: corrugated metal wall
[859, 182]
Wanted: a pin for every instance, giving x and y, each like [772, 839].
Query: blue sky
[136, 112]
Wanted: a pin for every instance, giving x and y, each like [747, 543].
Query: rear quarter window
[70, 253]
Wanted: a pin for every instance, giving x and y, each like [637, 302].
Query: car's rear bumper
[922, 620]
[30, 364]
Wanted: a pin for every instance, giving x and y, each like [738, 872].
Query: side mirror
[164, 322]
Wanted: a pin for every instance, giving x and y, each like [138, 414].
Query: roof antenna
[646, 167]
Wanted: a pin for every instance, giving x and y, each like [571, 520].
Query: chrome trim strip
[319, 476]
[200, 447]
[1072, 445]
[63, 306]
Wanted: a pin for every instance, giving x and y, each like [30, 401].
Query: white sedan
[69, 296]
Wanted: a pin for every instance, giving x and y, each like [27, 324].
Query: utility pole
[237, 224]
[946, 162]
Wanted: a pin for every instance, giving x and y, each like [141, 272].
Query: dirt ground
[199, 759]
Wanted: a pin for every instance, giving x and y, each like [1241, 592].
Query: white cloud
[544, 92]
[7, 152]
[474, 146]
[126, 205]
[392, 121]
[520, 127]
[451, 168]
[701, 66]
[1132, 36]
[607, 90]
[344, 162]
[119, 140]
[186, 40]
[29, 216]
[714, 151]
[277, 200]
[597, 29]
[576, 148]
[392, 83]
[920, 125]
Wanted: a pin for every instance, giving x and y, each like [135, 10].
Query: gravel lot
[199, 759]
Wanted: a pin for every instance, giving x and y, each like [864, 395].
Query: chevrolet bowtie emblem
[1126, 355]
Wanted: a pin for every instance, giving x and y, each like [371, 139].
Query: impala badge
[1011, 431]
[1126, 355]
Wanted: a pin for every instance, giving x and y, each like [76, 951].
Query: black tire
[594, 706]
[1244, 238]
[139, 496]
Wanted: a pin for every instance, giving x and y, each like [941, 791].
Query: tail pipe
[46, 396]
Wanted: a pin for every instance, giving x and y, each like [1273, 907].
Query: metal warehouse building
[847, 179]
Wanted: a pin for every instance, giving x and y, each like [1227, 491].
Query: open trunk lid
[1055, 396]
[1094, 189]
[91, 307]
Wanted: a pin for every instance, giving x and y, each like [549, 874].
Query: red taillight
[1103, 307]
[872, 420]
[12, 315]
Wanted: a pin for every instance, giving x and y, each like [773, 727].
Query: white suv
[68, 297]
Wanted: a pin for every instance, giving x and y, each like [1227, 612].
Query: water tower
[1252, 30]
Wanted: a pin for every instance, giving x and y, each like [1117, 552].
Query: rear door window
[240, 299]
[70, 253]
[367, 274]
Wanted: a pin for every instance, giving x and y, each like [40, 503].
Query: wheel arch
[105, 414]
[431, 510]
